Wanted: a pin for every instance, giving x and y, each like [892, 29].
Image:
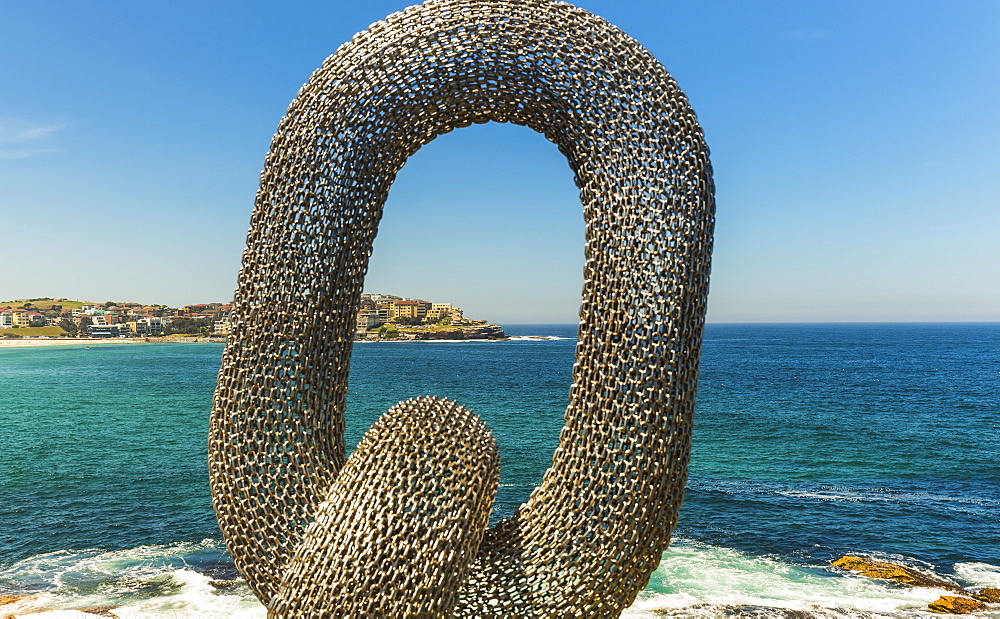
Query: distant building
[366, 320]
[384, 310]
[404, 309]
[150, 324]
[379, 298]
[104, 331]
[102, 320]
[14, 318]
[441, 310]
[390, 308]
[90, 310]
[208, 309]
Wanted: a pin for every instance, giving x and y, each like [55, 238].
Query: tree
[185, 326]
[69, 327]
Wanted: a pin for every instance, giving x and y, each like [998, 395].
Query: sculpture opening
[486, 216]
[475, 209]
[586, 541]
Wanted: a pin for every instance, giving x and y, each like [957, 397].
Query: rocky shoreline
[964, 601]
[482, 332]
[453, 333]
[406, 334]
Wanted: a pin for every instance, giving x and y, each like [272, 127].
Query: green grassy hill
[33, 332]
[47, 303]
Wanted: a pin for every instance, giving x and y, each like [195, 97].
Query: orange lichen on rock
[954, 605]
[15, 605]
[891, 571]
[989, 594]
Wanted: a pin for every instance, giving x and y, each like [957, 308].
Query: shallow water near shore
[811, 441]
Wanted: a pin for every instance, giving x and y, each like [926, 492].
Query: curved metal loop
[590, 535]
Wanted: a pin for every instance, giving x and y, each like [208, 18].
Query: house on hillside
[367, 319]
[14, 318]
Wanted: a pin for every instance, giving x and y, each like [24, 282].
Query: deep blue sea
[811, 441]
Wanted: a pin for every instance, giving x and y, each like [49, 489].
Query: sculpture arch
[590, 535]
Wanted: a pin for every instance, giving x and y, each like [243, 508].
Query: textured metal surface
[400, 529]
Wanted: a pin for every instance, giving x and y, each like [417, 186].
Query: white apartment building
[12, 318]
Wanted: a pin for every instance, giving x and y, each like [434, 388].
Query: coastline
[26, 342]
[30, 342]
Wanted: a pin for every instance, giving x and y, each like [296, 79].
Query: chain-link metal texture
[400, 529]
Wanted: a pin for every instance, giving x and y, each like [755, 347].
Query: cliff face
[476, 332]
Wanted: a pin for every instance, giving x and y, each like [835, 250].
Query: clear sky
[856, 147]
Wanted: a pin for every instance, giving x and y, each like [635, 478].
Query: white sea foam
[847, 494]
[57, 614]
[147, 581]
[826, 496]
[537, 338]
[698, 580]
[979, 575]
[77, 568]
[195, 597]
[694, 580]
[420, 341]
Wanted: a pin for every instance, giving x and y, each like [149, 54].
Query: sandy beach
[25, 342]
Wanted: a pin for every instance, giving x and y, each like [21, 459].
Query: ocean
[812, 441]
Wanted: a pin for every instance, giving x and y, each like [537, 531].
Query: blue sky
[856, 148]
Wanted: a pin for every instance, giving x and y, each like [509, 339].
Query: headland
[51, 321]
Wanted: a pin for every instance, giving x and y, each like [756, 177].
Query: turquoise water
[811, 441]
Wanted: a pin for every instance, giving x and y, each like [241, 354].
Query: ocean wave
[538, 338]
[196, 595]
[849, 494]
[694, 579]
[979, 575]
[699, 580]
[177, 580]
[879, 495]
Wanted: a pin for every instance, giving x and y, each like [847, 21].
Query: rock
[742, 610]
[7, 599]
[100, 611]
[953, 605]
[15, 605]
[225, 584]
[484, 332]
[479, 332]
[990, 595]
[891, 571]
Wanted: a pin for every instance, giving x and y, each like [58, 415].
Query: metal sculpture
[401, 527]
